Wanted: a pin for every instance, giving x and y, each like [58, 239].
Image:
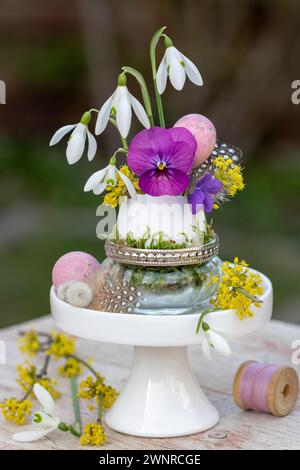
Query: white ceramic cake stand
[162, 397]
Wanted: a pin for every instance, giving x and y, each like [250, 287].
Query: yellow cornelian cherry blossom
[29, 343]
[238, 289]
[71, 368]
[16, 411]
[27, 377]
[61, 346]
[229, 174]
[93, 435]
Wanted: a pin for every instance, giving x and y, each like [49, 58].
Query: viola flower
[177, 66]
[162, 158]
[121, 102]
[76, 142]
[108, 176]
[205, 189]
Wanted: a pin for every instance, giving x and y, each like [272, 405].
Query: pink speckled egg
[74, 266]
[204, 132]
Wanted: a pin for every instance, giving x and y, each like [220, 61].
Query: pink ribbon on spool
[267, 388]
[254, 385]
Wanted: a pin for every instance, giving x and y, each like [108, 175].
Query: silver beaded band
[145, 257]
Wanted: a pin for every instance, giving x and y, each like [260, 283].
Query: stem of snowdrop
[76, 409]
[200, 321]
[145, 94]
[112, 161]
[124, 141]
[153, 45]
[100, 411]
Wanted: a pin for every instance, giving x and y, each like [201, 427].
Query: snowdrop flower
[212, 340]
[108, 175]
[121, 102]
[177, 66]
[76, 142]
[45, 420]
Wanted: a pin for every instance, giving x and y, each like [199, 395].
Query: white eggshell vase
[169, 215]
[162, 397]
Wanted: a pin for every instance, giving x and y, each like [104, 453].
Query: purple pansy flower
[162, 158]
[205, 188]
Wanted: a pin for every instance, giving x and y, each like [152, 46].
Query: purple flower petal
[174, 148]
[180, 156]
[208, 202]
[170, 182]
[196, 200]
[145, 146]
[204, 191]
[210, 184]
[184, 135]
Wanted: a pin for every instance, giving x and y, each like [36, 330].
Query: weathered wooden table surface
[237, 429]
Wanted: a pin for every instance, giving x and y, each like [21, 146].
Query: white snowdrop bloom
[121, 102]
[212, 340]
[44, 421]
[108, 175]
[77, 140]
[177, 66]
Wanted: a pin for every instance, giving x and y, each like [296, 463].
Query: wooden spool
[282, 389]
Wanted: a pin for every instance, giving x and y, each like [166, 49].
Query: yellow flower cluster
[91, 388]
[71, 368]
[61, 346]
[238, 289]
[48, 384]
[109, 396]
[229, 174]
[29, 343]
[115, 192]
[93, 435]
[27, 376]
[16, 411]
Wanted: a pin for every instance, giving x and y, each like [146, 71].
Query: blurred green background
[60, 58]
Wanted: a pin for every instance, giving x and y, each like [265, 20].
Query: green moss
[158, 241]
[166, 278]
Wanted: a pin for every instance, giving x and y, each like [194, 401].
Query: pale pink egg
[204, 132]
[74, 266]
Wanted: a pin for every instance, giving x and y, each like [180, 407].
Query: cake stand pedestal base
[162, 398]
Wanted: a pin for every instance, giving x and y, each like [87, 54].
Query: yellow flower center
[161, 166]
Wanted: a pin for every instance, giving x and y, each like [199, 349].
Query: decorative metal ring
[148, 257]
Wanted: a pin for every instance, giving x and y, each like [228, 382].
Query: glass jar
[158, 290]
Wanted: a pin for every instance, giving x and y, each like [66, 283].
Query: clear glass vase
[155, 290]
